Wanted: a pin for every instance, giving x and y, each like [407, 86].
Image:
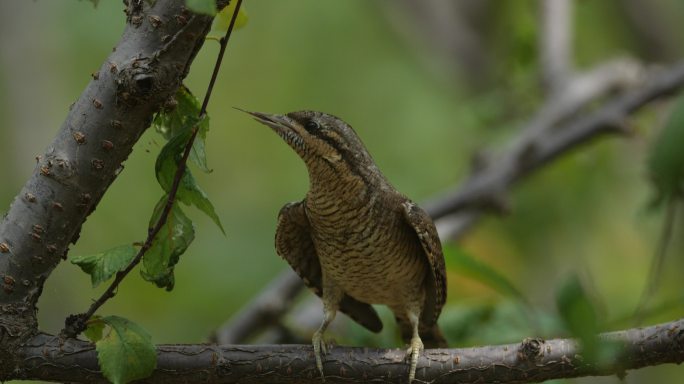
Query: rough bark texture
[533, 360]
[142, 72]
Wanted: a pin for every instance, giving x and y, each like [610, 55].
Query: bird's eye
[312, 126]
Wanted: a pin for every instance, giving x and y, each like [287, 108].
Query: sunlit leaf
[126, 352]
[102, 266]
[94, 328]
[466, 265]
[666, 160]
[579, 315]
[188, 192]
[222, 20]
[173, 240]
[207, 7]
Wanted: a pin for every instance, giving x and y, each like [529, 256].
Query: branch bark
[145, 68]
[47, 357]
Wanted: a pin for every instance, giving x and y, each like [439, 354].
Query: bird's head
[318, 137]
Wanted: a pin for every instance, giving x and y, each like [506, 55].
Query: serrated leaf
[579, 315]
[102, 266]
[182, 118]
[94, 328]
[188, 191]
[126, 352]
[222, 20]
[207, 7]
[666, 159]
[173, 240]
[466, 265]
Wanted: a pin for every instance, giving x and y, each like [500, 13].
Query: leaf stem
[77, 324]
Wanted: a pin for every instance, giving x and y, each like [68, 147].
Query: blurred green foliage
[583, 213]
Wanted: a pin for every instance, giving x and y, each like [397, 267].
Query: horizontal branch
[47, 357]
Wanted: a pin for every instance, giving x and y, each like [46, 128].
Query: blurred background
[426, 84]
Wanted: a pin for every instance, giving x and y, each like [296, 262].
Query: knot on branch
[138, 81]
[531, 349]
[74, 324]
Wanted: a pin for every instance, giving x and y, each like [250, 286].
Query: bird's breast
[366, 247]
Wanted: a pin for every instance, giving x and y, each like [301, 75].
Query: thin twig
[77, 324]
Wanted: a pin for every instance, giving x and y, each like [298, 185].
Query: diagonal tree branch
[46, 357]
[146, 67]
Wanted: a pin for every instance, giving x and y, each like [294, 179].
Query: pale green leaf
[126, 352]
[222, 20]
[94, 328]
[102, 266]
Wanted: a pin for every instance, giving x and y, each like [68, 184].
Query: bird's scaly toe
[412, 354]
[320, 349]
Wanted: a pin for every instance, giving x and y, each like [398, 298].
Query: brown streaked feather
[435, 288]
[294, 244]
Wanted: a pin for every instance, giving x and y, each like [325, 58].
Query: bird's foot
[412, 354]
[319, 348]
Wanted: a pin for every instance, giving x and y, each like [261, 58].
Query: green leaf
[94, 328]
[188, 192]
[181, 118]
[222, 20]
[207, 7]
[126, 353]
[173, 240]
[579, 316]
[666, 159]
[466, 265]
[102, 266]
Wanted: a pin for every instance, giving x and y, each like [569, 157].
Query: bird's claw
[412, 354]
[319, 348]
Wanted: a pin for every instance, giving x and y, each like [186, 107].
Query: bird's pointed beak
[279, 123]
[284, 126]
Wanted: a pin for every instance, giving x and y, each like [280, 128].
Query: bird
[355, 240]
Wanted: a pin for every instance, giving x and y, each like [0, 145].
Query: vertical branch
[555, 43]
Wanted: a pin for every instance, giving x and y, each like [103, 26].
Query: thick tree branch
[533, 360]
[144, 70]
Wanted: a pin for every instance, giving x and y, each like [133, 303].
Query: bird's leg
[317, 340]
[416, 346]
[332, 295]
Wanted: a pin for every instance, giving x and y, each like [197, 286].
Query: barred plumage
[354, 239]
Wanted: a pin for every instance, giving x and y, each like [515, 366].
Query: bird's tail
[431, 336]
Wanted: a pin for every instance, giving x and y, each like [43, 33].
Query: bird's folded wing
[294, 244]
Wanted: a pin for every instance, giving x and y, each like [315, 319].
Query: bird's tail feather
[432, 336]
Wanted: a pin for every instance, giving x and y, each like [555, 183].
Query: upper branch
[533, 360]
[144, 69]
[489, 184]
